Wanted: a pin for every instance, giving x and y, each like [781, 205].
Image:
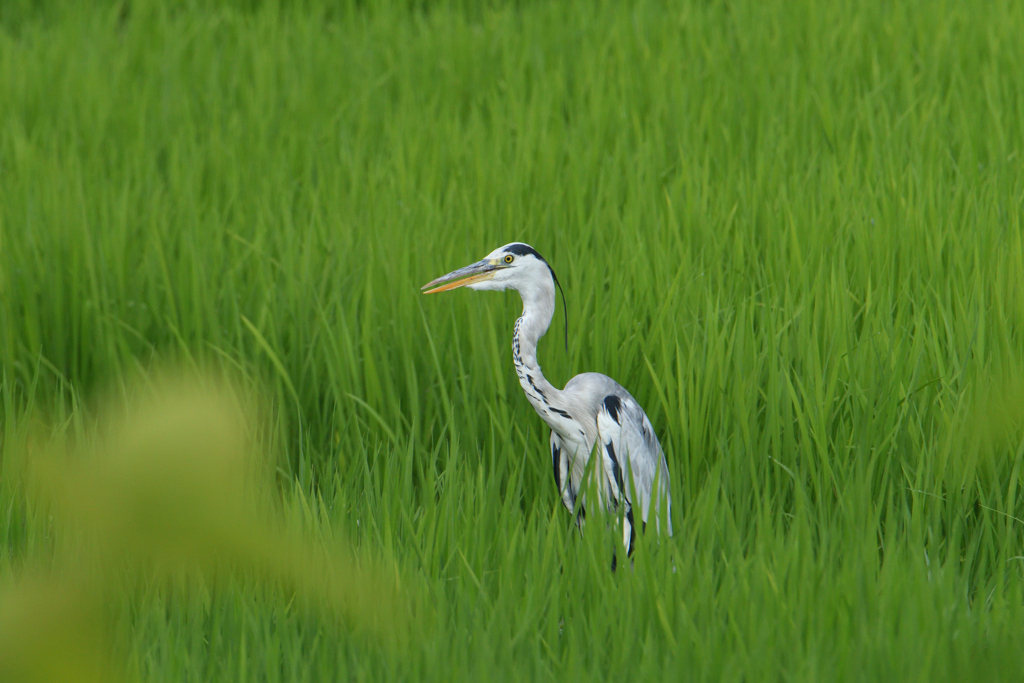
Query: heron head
[513, 266]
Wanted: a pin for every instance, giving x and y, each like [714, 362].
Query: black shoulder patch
[614, 405]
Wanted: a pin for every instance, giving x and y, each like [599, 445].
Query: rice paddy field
[792, 229]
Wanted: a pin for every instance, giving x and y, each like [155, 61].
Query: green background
[791, 229]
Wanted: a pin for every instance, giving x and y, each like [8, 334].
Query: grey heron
[593, 412]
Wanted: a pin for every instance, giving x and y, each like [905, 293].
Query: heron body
[593, 414]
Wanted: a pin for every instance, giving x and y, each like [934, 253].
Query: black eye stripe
[520, 249]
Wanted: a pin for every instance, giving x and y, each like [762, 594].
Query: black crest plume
[565, 308]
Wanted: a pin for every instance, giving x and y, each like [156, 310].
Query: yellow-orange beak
[477, 272]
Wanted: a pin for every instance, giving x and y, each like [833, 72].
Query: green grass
[791, 229]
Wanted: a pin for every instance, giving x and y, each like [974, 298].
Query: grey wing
[563, 475]
[634, 462]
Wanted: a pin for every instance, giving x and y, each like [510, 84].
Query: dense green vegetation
[791, 229]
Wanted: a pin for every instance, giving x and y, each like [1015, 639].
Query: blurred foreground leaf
[178, 485]
[51, 630]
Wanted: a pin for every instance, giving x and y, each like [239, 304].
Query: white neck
[538, 308]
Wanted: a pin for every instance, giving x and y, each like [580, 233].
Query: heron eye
[508, 258]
